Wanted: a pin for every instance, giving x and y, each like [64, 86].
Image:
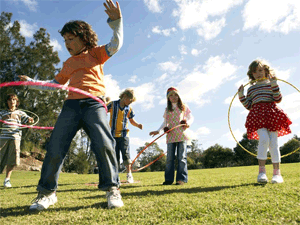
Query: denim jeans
[91, 116]
[182, 172]
[122, 145]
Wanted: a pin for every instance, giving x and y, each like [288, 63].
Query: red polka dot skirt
[267, 115]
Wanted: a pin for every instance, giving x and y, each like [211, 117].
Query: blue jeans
[122, 145]
[182, 172]
[91, 116]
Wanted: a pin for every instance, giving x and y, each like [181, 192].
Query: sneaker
[167, 182]
[130, 178]
[114, 198]
[262, 178]
[7, 183]
[42, 201]
[277, 179]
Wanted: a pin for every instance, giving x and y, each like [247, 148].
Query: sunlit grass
[212, 196]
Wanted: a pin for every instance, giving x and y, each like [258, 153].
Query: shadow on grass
[24, 210]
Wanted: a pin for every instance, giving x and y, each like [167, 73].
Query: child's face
[127, 101]
[173, 97]
[73, 43]
[259, 73]
[12, 103]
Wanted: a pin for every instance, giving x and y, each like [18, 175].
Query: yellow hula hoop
[251, 153]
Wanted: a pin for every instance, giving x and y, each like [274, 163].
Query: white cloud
[197, 14]
[283, 16]
[165, 32]
[234, 103]
[196, 52]
[198, 83]
[112, 87]
[133, 79]
[150, 56]
[27, 30]
[182, 50]
[31, 4]
[210, 30]
[238, 134]
[291, 105]
[169, 66]
[144, 95]
[153, 5]
[56, 45]
[235, 32]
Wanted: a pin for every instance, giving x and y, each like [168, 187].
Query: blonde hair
[129, 93]
[253, 67]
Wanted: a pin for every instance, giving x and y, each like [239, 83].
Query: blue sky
[201, 47]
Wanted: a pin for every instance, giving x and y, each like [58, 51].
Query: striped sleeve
[276, 93]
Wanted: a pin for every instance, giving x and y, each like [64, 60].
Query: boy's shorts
[122, 145]
[9, 153]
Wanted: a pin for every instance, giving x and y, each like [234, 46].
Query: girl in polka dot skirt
[265, 121]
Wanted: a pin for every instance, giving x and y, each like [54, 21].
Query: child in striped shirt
[10, 136]
[265, 121]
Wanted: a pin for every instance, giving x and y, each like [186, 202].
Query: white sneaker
[130, 178]
[113, 196]
[262, 178]
[277, 179]
[42, 202]
[7, 183]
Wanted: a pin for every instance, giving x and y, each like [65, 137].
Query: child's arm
[115, 22]
[246, 101]
[134, 123]
[40, 88]
[276, 91]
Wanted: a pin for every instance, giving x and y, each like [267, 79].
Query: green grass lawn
[212, 196]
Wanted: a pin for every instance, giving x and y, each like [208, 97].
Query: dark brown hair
[83, 30]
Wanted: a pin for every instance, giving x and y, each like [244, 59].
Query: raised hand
[23, 77]
[241, 90]
[113, 11]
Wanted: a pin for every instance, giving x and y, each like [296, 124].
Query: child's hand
[273, 80]
[241, 91]
[30, 120]
[140, 126]
[166, 129]
[153, 133]
[23, 77]
[185, 124]
[112, 11]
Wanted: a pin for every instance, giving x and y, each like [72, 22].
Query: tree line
[216, 156]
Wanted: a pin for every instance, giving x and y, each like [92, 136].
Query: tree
[288, 147]
[150, 154]
[37, 59]
[217, 156]
[194, 156]
[242, 157]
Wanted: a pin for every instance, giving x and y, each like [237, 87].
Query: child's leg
[182, 171]
[169, 172]
[9, 170]
[102, 144]
[275, 153]
[263, 145]
[125, 151]
[64, 131]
